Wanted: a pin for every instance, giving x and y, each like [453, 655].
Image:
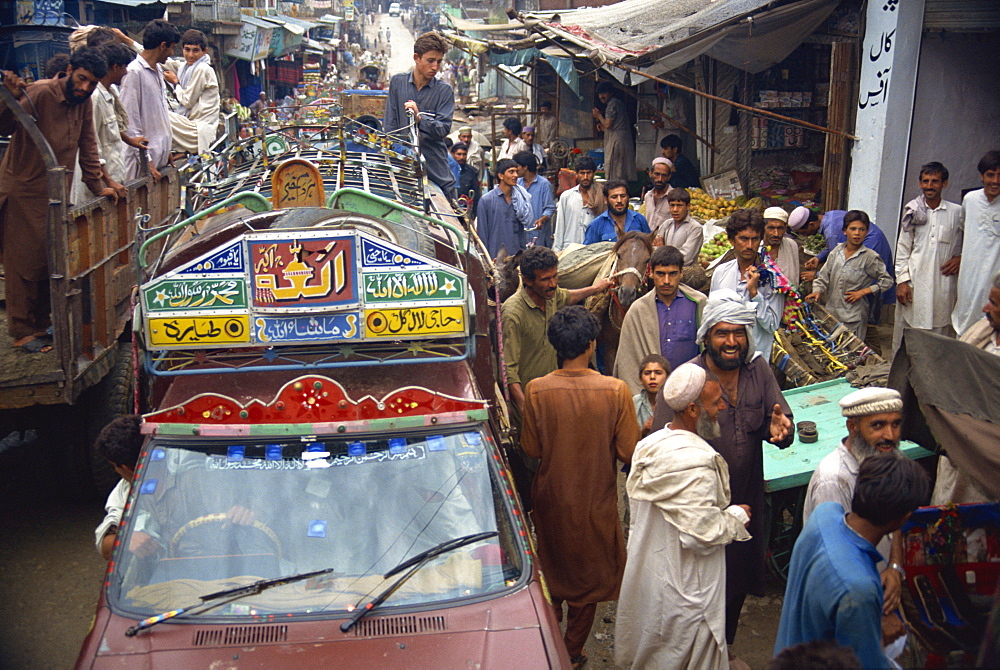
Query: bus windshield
[217, 514]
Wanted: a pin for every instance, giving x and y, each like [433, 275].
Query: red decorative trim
[313, 399]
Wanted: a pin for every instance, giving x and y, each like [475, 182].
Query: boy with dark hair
[512, 143]
[680, 230]
[578, 422]
[851, 272]
[119, 443]
[653, 371]
[195, 123]
[834, 591]
[468, 181]
[543, 206]
[685, 173]
[663, 321]
[421, 93]
[143, 96]
[504, 213]
[980, 214]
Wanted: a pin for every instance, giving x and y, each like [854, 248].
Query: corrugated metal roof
[748, 34]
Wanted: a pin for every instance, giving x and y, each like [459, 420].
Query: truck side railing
[92, 271]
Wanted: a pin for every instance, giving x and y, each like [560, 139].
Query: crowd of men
[691, 397]
[128, 129]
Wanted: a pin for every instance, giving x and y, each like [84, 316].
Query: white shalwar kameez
[672, 607]
[920, 253]
[980, 257]
[196, 125]
[572, 217]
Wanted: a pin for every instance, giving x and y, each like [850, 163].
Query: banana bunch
[705, 208]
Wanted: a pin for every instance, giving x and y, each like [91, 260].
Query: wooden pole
[666, 116]
[746, 108]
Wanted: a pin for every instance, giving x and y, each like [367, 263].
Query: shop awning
[660, 36]
[254, 41]
[467, 26]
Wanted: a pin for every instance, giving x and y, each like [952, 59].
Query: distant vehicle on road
[394, 9]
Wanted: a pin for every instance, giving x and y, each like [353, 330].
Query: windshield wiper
[414, 564]
[208, 601]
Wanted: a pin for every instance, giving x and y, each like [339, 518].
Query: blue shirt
[678, 329]
[436, 102]
[832, 227]
[834, 591]
[456, 170]
[542, 202]
[497, 224]
[602, 229]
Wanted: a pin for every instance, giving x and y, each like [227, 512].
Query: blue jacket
[602, 229]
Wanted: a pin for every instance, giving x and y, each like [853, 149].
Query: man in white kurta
[783, 250]
[142, 94]
[577, 206]
[927, 258]
[980, 244]
[671, 610]
[196, 124]
[109, 146]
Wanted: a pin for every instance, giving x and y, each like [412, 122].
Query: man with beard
[657, 205]
[63, 114]
[577, 206]
[580, 544]
[671, 612]
[783, 250]
[745, 230]
[874, 418]
[618, 220]
[755, 411]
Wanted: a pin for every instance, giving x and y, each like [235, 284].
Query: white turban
[776, 213]
[724, 305]
[684, 386]
[664, 161]
[871, 400]
[798, 217]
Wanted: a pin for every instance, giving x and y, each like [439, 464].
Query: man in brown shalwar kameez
[578, 422]
[64, 116]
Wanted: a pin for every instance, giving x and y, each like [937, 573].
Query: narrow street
[51, 571]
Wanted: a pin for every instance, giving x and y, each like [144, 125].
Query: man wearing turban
[755, 411]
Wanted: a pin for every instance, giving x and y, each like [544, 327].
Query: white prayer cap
[871, 400]
[725, 305]
[776, 213]
[665, 161]
[684, 386]
[465, 130]
[798, 217]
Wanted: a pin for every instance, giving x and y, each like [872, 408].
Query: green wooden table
[792, 467]
[787, 471]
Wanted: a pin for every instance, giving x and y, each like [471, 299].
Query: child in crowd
[852, 272]
[120, 443]
[652, 374]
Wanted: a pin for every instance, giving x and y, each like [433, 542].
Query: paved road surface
[51, 572]
[401, 41]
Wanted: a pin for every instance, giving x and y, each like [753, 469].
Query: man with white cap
[671, 611]
[476, 154]
[874, 419]
[657, 206]
[754, 411]
[783, 250]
